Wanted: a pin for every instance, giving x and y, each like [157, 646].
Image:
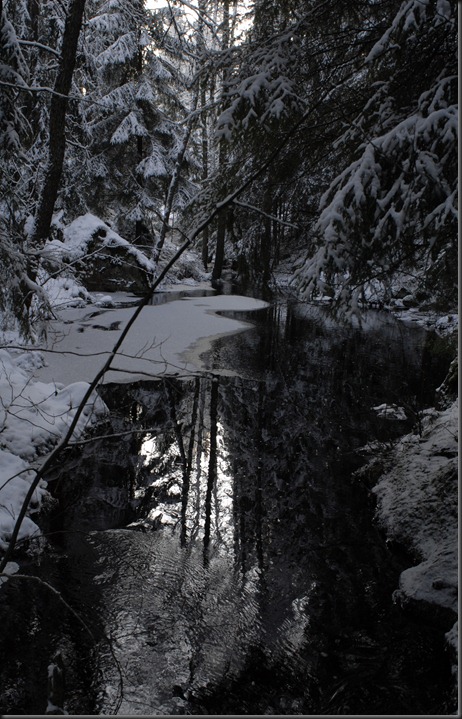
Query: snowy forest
[305, 149]
[316, 132]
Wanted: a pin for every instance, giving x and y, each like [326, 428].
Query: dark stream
[222, 555]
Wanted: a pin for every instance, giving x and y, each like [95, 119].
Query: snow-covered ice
[165, 339]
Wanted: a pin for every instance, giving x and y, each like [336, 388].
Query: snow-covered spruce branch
[39, 46]
[28, 88]
[44, 88]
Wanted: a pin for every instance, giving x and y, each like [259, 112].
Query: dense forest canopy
[325, 133]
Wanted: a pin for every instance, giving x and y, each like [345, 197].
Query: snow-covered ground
[33, 417]
[417, 505]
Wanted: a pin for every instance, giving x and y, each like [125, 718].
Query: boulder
[103, 261]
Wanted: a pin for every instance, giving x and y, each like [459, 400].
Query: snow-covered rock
[417, 507]
[390, 411]
[104, 260]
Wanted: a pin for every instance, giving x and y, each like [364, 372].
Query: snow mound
[11, 568]
[16, 478]
[81, 232]
[64, 291]
[417, 504]
[390, 411]
[34, 416]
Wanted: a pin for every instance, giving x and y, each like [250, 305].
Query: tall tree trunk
[205, 171]
[266, 239]
[57, 135]
[140, 227]
[222, 154]
[220, 247]
[139, 224]
[56, 148]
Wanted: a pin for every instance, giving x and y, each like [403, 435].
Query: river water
[223, 556]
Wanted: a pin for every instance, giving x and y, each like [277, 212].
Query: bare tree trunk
[56, 148]
[222, 153]
[220, 247]
[205, 173]
[54, 455]
[266, 236]
[139, 224]
[204, 129]
[57, 134]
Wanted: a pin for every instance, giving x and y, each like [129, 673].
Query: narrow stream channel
[222, 555]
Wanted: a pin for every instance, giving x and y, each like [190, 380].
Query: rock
[401, 293]
[112, 267]
[409, 300]
[434, 615]
[103, 261]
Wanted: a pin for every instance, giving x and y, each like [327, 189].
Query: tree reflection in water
[258, 582]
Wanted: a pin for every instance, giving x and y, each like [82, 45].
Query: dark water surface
[222, 555]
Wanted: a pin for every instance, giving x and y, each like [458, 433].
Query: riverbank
[39, 393]
[416, 488]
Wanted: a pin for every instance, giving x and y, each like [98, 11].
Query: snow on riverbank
[33, 417]
[41, 390]
[417, 505]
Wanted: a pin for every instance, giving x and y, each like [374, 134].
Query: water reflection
[259, 583]
[251, 578]
[184, 476]
[176, 626]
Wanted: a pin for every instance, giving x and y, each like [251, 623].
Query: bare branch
[54, 591]
[246, 206]
[142, 303]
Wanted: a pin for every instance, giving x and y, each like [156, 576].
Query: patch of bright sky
[190, 5]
